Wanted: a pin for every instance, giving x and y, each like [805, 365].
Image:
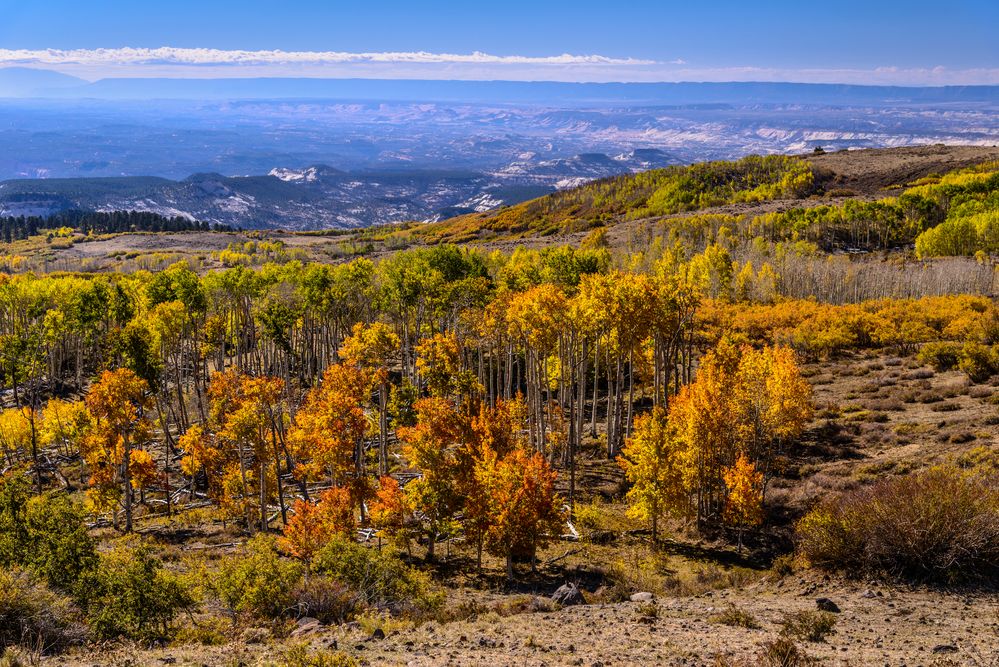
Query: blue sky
[839, 40]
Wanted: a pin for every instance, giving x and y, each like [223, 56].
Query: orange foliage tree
[327, 437]
[390, 512]
[240, 453]
[436, 447]
[313, 525]
[118, 404]
[522, 510]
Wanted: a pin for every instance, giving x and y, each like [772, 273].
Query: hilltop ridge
[862, 175]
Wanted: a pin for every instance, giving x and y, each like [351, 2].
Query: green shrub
[61, 551]
[941, 524]
[14, 495]
[942, 356]
[258, 581]
[811, 626]
[45, 533]
[207, 632]
[379, 577]
[131, 595]
[34, 616]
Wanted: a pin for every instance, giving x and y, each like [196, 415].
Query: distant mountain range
[319, 196]
[21, 82]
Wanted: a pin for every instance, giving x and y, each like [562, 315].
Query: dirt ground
[871, 171]
[876, 625]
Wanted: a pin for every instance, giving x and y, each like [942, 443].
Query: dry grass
[941, 524]
[735, 617]
[813, 626]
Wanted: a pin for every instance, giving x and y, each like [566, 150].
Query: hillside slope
[709, 188]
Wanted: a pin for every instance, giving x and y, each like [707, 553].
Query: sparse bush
[888, 404]
[379, 577]
[735, 617]
[15, 657]
[980, 392]
[208, 632]
[325, 599]
[525, 604]
[783, 565]
[811, 626]
[940, 524]
[461, 611]
[648, 610]
[34, 616]
[373, 622]
[258, 581]
[624, 577]
[783, 652]
[131, 595]
[930, 396]
[983, 459]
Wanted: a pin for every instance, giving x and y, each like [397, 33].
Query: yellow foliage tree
[744, 504]
[653, 463]
[439, 362]
[371, 347]
[743, 401]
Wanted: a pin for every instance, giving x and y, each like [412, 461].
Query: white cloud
[204, 62]
[176, 56]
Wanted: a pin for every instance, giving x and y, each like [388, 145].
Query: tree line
[98, 222]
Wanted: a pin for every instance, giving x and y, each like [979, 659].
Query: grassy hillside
[651, 193]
